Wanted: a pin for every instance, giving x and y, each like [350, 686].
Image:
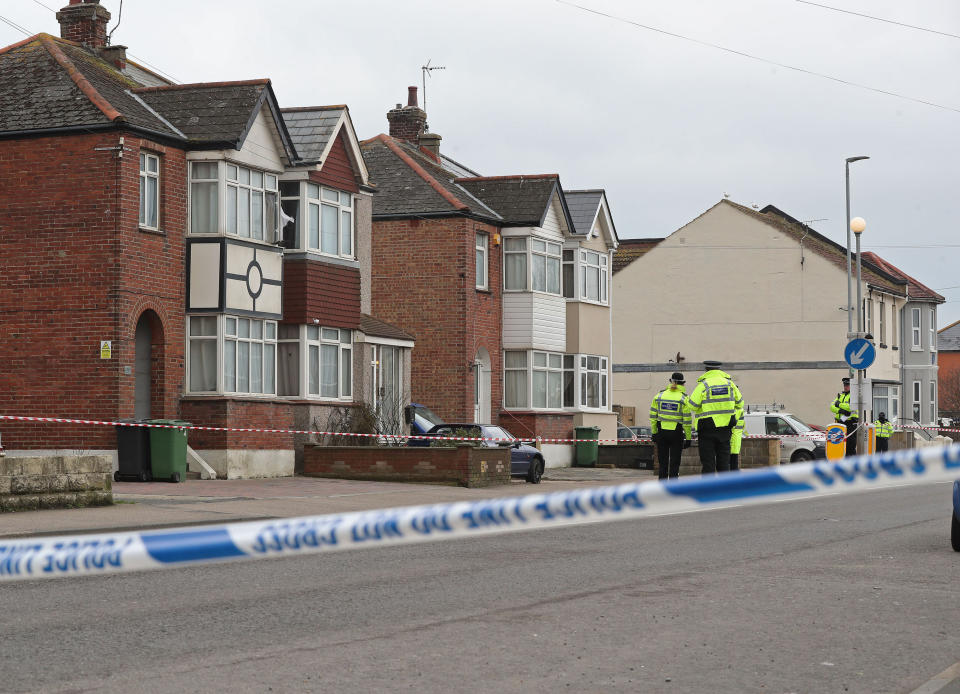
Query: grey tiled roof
[208, 113]
[403, 191]
[378, 328]
[948, 339]
[583, 205]
[311, 128]
[37, 91]
[520, 200]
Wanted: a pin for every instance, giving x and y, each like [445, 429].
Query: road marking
[951, 674]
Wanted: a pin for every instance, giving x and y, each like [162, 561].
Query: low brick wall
[754, 452]
[627, 455]
[31, 483]
[464, 464]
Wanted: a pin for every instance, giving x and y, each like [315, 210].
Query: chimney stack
[85, 22]
[407, 123]
[115, 55]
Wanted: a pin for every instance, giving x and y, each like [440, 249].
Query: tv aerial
[425, 71]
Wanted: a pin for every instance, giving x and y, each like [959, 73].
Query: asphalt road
[855, 593]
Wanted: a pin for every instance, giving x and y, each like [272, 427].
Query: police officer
[715, 406]
[736, 441]
[843, 415]
[670, 425]
[884, 430]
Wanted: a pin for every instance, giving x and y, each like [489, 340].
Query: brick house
[948, 360]
[194, 252]
[485, 272]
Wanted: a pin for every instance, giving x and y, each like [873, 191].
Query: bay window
[515, 379]
[547, 380]
[515, 263]
[149, 191]
[249, 355]
[327, 219]
[329, 362]
[542, 257]
[569, 274]
[249, 201]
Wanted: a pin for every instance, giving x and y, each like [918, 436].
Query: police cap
[708, 365]
[677, 377]
[846, 381]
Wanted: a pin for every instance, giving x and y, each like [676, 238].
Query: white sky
[665, 125]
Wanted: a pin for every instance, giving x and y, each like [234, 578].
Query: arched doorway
[142, 369]
[481, 387]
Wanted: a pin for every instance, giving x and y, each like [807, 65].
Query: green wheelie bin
[586, 451]
[168, 449]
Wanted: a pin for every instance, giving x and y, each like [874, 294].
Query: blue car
[525, 460]
[955, 524]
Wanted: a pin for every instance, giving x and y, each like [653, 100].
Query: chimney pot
[407, 122]
[412, 97]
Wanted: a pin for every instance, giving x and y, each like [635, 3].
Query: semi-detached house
[507, 295]
[180, 251]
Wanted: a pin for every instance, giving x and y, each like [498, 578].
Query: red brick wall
[424, 281]
[239, 413]
[314, 289]
[337, 171]
[465, 465]
[533, 424]
[948, 387]
[76, 270]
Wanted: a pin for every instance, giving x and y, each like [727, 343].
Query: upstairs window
[251, 203]
[204, 183]
[883, 322]
[593, 269]
[317, 219]
[933, 330]
[915, 329]
[482, 241]
[545, 266]
[569, 273]
[149, 191]
[515, 264]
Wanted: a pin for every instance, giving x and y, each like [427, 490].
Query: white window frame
[917, 409]
[594, 263]
[883, 323]
[916, 343]
[148, 176]
[228, 333]
[547, 254]
[237, 189]
[568, 285]
[894, 331]
[513, 372]
[869, 314]
[482, 260]
[516, 248]
[603, 379]
[319, 341]
[933, 329]
[547, 366]
[933, 402]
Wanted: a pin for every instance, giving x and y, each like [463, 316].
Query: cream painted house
[757, 290]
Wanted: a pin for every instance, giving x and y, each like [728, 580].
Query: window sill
[484, 290]
[882, 346]
[155, 232]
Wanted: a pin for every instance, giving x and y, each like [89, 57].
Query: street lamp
[857, 225]
[849, 268]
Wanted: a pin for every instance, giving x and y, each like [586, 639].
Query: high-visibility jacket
[670, 409]
[736, 436]
[841, 408]
[717, 397]
[884, 429]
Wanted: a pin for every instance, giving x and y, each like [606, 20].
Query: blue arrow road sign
[859, 353]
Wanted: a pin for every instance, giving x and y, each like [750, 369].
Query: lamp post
[849, 161]
[857, 225]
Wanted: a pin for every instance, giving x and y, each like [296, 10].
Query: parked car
[525, 460]
[643, 433]
[421, 418]
[626, 434]
[798, 442]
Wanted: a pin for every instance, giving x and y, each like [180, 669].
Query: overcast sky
[665, 125]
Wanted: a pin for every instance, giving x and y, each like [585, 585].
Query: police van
[798, 441]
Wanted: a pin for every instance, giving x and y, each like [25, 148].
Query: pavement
[148, 505]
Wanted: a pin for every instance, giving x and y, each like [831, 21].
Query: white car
[798, 441]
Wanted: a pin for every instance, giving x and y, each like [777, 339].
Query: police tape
[350, 434]
[110, 553]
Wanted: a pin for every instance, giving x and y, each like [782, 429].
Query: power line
[758, 58]
[14, 25]
[880, 19]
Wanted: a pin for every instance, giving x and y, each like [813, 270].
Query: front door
[141, 369]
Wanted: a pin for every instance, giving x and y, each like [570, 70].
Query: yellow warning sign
[106, 349]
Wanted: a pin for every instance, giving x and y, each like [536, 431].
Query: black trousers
[883, 444]
[669, 450]
[714, 443]
[851, 437]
